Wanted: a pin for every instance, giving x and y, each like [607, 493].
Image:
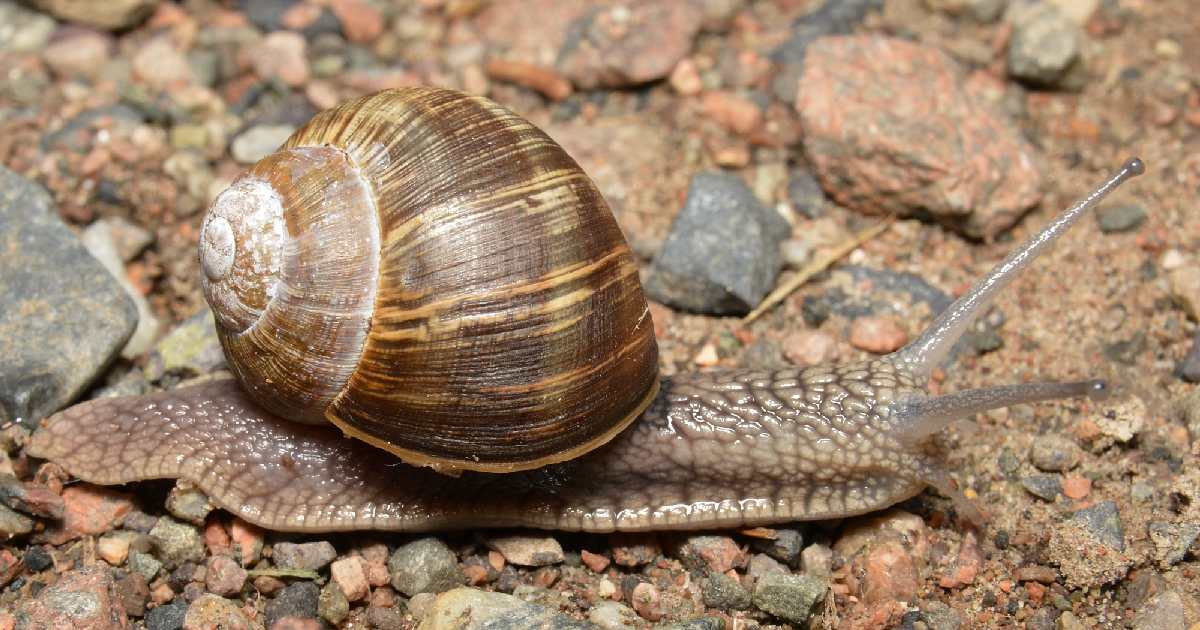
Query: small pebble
[188, 503]
[594, 561]
[784, 547]
[718, 554]
[311, 556]
[1045, 46]
[1077, 488]
[294, 600]
[810, 347]
[1054, 453]
[144, 564]
[1104, 520]
[282, 55]
[611, 615]
[351, 575]
[1121, 218]
[167, 617]
[133, 593]
[247, 541]
[259, 141]
[113, 549]
[425, 565]
[332, 604]
[725, 593]
[84, 598]
[878, 335]
[1047, 487]
[91, 511]
[647, 601]
[212, 611]
[817, 561]
[761, 564]
[177, 542]
[789, 597]
[633, 550]
[37, 559]
[528, 551]
[224, 576]
[1172, 541]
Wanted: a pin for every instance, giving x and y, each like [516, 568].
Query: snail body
[490, 320]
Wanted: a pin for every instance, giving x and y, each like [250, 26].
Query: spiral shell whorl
[240, 251]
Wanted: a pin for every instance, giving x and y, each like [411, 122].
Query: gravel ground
[971, 121]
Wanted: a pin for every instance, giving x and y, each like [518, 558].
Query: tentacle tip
[1135, 166]
[1098, 389]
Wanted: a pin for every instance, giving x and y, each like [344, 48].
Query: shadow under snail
[437, 278]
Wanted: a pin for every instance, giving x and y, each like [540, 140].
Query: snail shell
[438, 278]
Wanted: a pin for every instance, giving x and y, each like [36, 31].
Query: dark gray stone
[295, 600]
[785, 547]
[426, 565]
[64, 317]
[268, 16]
[37, 559]
[725, 593]
[722, 254]
[833, 17]
[1121, 218]
[1104, 521]
[1188, 368]
[167, 617]
[789, 597]
[1047, 487]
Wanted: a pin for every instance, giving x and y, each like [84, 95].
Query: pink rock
[78, 53]
[84, 600]
[160, 64]
[296, 623]
[361, 22]
[965, 567]
[89, 511]
[216, 539]
[351, 575]
[634, 550]
[528, 551]
[736, 113]
[224, 576]
[247, 541]
[210, 611]
[647, 601]
[594, 561]
[718, 553]
[890, 574]
[809, 347]
[891, 127]
[282, 55]
[879, 335]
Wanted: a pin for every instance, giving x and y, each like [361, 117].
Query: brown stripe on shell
[510, 329]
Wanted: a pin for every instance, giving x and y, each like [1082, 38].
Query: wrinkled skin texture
[727, 450]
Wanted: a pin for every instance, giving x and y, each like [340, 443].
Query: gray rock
[611, 615]
[1045, 46]
[1104, 521]
[1172, 541]
[1047, 487]
[177, 542]
[37, 559]
[703, 623]
[939, 616]
[167, 617]
[725, 593]
[188, 503]
[805, 194]
[789, 597]
[312, 556]
[258, 141]
[85, 598]
[722, 254]
[295, 600]
[1054, 453]
[1166, 611]
[64, 317]
[100, 242]
[785, 547]
[332, 605]
[191, 349]
[145, 564]
[268, 16]
[22, 30]
[13, 523]
[1121, 218]
[426, 565]
[471, 609]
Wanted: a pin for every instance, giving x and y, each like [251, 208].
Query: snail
[437, 279]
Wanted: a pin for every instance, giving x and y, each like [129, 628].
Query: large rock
[85, 600]
[891, 127]
[64, 316]
[467, 608]
[722, 254]
[111, 14]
